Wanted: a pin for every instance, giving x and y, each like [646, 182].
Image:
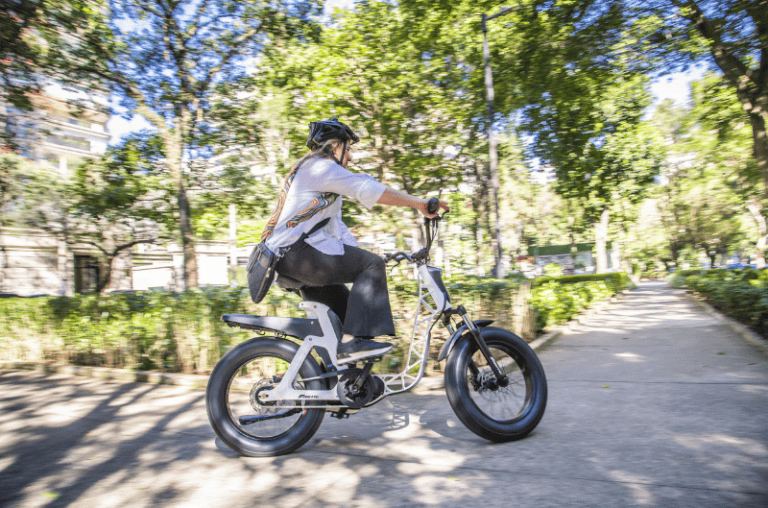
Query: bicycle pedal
[343, 413]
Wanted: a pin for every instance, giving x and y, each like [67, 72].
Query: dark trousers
[364, 310]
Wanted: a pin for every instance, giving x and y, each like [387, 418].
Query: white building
[66, 126]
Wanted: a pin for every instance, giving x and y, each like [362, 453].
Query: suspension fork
[501, 378]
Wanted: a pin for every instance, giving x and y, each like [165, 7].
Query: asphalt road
[651, 403]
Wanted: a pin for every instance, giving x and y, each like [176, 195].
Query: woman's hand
[423, 208]
[397, 198]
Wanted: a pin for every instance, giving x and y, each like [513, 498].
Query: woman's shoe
[359, 348]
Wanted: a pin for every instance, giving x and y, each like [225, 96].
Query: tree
[111, 204]
[119, 201]
[17, 56]
[722, 140]
[710, 178]
[734, 33]
[593, 134]
[164, 58]
[366, 71]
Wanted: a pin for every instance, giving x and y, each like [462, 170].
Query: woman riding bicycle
[322, 255]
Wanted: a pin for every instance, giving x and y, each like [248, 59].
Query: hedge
[556, 300]
[741, 294]
[182, 332]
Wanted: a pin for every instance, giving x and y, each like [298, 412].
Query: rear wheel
[488, 408]
[232, 399]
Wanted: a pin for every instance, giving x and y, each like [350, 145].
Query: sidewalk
[652, 402]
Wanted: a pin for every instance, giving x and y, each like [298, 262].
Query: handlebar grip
[432, 205]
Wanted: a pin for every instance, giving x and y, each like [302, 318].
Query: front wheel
[234, 411]
[495, 412]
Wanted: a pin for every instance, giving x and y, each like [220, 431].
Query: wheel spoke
[496, 402]
[254, 376]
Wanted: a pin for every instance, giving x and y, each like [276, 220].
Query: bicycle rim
[503, 404]
[261, 372]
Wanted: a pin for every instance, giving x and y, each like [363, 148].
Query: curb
[426, 385]
[739, 329]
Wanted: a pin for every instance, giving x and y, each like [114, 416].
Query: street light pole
[494, 154]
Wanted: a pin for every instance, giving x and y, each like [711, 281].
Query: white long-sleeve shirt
[307, 197]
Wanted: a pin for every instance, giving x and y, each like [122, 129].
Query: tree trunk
[601, 240]
[3, 263]
[479, 210]
[756, 211]
[188, 242]
[616, 256]
[760, 145]
[749, 84]
[66, 269]
[105, 275]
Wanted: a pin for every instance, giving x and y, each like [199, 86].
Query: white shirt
[313, 179]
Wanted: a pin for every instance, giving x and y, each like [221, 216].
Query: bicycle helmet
[322, 131]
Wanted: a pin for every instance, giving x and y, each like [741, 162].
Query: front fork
[501, 378]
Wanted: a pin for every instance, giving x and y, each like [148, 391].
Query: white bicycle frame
[418, 352]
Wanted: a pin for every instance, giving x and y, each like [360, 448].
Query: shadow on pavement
[674, 425]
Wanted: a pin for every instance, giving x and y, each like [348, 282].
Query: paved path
[652, 403]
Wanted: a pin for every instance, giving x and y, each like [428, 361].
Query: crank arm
[247, 420]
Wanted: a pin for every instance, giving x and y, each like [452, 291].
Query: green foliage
[617, 281]
[556, 300]
[182, 332]
[741, 294]
[553, 270]
[149, 330]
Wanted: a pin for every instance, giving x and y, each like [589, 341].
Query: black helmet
[322, 131]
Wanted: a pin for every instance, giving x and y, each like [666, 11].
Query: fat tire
[216, 400]
[457, 387]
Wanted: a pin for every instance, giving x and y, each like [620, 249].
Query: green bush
[555, 302]
[147, 330]
[182, 332]
[741, 294]
[617, 281]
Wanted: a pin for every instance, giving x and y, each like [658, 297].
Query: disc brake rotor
[258, 388]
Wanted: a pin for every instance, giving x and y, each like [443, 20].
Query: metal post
[232, 246]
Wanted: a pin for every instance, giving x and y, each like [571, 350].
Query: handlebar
[422, 254]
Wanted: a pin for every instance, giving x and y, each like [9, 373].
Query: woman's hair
[324, 150]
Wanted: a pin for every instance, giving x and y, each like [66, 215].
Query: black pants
[364, 310]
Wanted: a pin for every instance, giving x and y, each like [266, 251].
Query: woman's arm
[397, 198]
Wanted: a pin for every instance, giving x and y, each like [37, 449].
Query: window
[86, 274]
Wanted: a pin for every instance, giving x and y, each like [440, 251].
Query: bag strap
[318, 226]
[272, 222]
[326, 200]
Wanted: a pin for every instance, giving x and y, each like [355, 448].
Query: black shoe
[359, 348]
